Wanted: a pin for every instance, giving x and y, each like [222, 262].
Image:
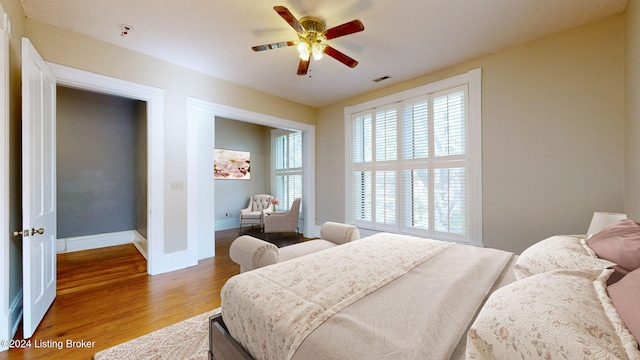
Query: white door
[38, 187]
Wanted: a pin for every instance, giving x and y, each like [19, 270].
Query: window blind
[415, 199]
[361, 182]
[425, 189]
[450, 200]
[288, 167]
[386, 138]
[449, 124]
[385, 194]
[415, 130]
[362, 139]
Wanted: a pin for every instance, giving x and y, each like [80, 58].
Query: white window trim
[473, 78]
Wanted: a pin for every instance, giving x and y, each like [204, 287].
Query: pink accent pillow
[625, 295]
[619, 243]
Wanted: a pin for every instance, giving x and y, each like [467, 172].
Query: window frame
[472, 79]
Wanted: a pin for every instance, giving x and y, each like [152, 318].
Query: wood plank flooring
[105, 297]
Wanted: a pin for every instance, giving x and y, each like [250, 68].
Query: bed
[393, 296]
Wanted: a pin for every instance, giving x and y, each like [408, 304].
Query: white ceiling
[402, 39]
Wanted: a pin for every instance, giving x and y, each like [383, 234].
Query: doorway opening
[101, 162]
[157, 261]
[201, 121]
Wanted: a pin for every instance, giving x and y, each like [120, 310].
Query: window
[287, 162]
[415, 161]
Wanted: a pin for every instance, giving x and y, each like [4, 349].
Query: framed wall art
[231, 164]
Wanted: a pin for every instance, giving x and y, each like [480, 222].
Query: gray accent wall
[233, 195]
[141, 168]
[98, 186]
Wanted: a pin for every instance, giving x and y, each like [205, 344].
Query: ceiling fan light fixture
[317, 50]
[304, 49]
[312, 35]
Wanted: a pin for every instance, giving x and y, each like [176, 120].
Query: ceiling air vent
[382, 78]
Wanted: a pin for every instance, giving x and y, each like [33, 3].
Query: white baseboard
[12, 321]
[170, 262]
[96, 241]
[233, 223]
[141, 243]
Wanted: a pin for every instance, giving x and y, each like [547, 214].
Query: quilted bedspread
[271, 311]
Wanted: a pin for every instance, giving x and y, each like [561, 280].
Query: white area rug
[186, 340]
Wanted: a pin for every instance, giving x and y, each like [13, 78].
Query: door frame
[154, 97]
[199, 219]
[6, 327]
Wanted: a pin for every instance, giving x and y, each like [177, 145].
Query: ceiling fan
[312, 38]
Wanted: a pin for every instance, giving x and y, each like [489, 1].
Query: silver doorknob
[39, 231]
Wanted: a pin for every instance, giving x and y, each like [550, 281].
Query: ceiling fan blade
[344, 29]
[289, 18]
[340, 56]
[277, 45]
[303, 66]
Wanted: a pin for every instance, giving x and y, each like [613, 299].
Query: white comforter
[387, 296]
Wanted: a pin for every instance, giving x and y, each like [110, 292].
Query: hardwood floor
[105, 297]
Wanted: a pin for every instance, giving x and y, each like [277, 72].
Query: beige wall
[552, 135]
[632, 110]
[74, 50]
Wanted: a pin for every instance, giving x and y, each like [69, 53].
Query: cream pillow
[564, 314]
[557, 253]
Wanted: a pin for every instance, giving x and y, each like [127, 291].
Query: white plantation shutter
[415, 130]
[362, 139]
[280, 149]
[415, 199]
[294, 154]
[416, 151]
[386, 138]
[362, 193]
[288, 167]
[411, 165]
[450, 200]
[449, 123]
[450, 191]
[385, 197]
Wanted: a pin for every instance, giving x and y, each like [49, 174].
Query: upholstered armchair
[283, 222]
[253, 214]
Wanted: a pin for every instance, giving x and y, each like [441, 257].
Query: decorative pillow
[625, 295]
[620, 243]
[562, 314]
[556, 253]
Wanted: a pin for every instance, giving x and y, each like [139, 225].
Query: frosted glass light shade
[601, 220]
